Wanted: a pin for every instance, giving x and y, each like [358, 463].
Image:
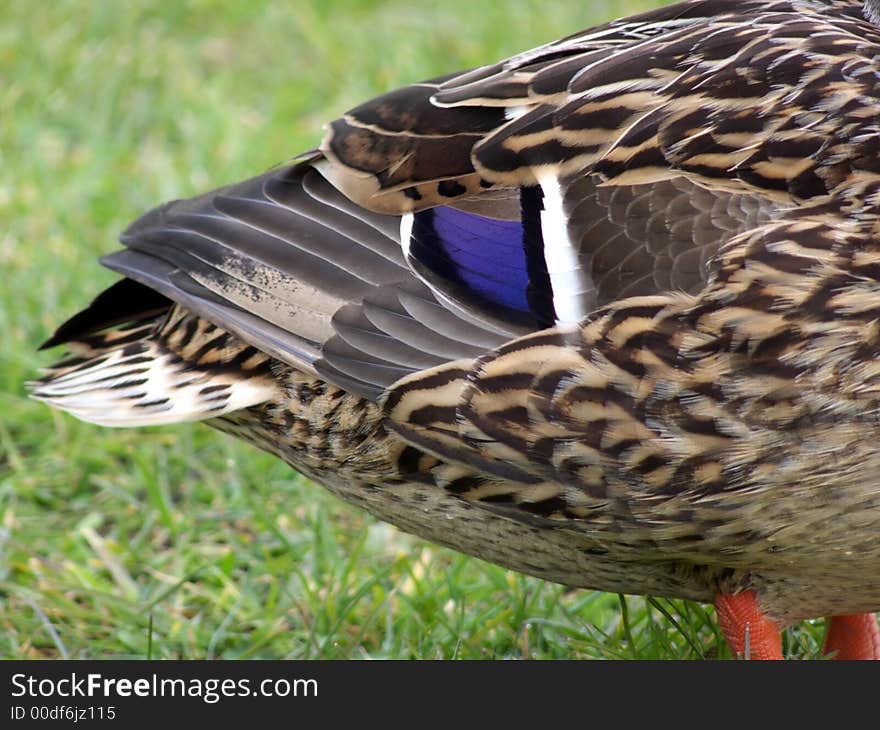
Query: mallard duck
[605, 312]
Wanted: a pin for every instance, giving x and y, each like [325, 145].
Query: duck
[606, 313]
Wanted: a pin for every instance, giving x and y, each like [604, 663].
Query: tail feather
[143, 375]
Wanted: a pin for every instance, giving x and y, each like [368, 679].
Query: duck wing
[441, 220]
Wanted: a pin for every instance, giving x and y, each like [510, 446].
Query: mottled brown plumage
[682, 400]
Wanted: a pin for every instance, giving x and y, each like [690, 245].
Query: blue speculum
[500, 263]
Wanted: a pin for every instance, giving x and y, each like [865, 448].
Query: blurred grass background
[180, 542]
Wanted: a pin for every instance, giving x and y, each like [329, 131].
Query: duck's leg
[749, 632]
[853, 637]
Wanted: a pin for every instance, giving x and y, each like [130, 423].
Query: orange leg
[749, 632]
[853, 637]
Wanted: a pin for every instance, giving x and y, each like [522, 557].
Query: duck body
[605, 313]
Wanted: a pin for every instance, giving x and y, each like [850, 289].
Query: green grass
[179, 542]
